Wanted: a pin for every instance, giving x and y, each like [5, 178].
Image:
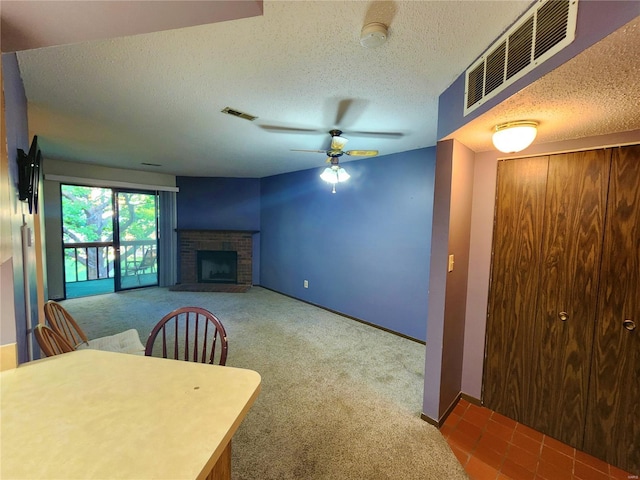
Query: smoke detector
[373, 35]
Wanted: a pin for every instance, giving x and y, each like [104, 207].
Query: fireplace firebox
[217, 266]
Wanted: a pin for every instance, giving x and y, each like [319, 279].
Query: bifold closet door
[612, 429]
[574, 216]
[517, 236]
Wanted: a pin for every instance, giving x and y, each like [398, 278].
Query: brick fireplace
[193, 241]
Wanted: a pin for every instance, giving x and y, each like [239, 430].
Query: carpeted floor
[339, 399]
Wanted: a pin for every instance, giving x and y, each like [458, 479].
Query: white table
[104, 415]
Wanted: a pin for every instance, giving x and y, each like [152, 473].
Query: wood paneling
[516, 258]
[575, 208]
[612, 429]
[568, 242]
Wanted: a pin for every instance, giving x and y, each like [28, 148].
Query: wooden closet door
[574, 214]
[612, 430]
[517, 236]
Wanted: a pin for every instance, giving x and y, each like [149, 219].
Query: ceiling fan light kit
[513, 137]
[334, 174]
[373, 35]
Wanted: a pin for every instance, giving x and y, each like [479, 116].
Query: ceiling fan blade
[310, 151]
[377, 134]
[362, 153]
[338, 143]
[278, 128]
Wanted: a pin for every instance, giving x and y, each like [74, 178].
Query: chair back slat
[50, 342]
[197, 335]
[203, 358]
[61, 321]
[186, 336]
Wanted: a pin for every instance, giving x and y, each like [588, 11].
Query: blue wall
[218, 203]
[365, 250]
[214, 203]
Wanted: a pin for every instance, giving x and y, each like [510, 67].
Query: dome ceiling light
[513, 137]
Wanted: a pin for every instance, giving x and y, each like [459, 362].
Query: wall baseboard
[346, 316]
[438, 423]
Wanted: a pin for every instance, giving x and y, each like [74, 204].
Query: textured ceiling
[595, 93]
[156, 97]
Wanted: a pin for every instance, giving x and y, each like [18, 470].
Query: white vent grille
[545, 29]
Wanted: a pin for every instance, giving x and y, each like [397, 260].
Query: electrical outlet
[306, 284]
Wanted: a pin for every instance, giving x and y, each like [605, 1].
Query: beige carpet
[339, 399]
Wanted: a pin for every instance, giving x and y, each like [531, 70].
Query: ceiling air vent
[545, 29]
[237, 113]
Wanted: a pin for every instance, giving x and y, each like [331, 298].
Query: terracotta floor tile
[560, 460]
[525, 442]
[469, 428]
[489, 456]
[559, 446]
[516, 471]
[477, 415]
[529, 432]
[445, 430]
[463, 441]
[523, 457]
[493, 442]
[618, 474]
[453, 419]
[499, 430]
[549, 471]
[460, 408]
[585, 472]
[501, 419]
[491, 446]
[478, 470]
[461, 455]
[593, 462]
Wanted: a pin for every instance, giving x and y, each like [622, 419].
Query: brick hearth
[190, 241]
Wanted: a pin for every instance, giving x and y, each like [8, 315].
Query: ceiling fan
[335, 173]
[335, 151]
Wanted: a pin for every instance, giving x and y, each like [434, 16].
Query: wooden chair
[65, 325]
[50, 342]
[196, 334]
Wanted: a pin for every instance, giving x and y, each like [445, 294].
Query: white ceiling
[156, 97]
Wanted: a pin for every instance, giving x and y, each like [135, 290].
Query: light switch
[450, 269]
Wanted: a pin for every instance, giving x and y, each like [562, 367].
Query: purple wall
[17, 136]
[365, 250]
[596, 20]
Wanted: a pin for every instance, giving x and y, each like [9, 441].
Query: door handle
[564, 316]
[629, 324]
